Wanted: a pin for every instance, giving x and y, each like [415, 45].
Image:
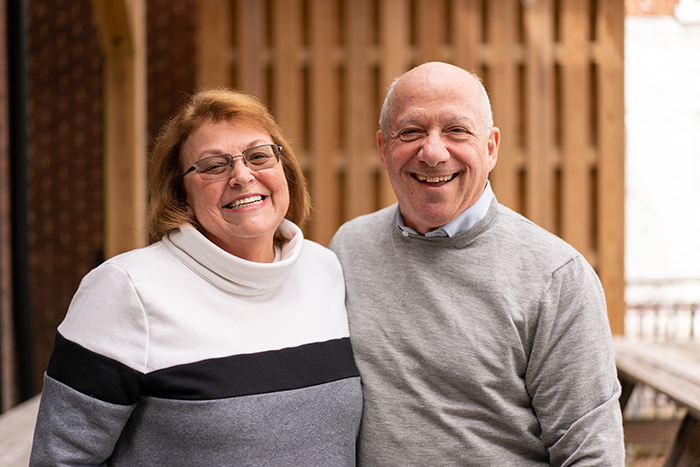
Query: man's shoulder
[363, 225]
[526, 236]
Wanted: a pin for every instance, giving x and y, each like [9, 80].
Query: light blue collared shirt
[465, 221]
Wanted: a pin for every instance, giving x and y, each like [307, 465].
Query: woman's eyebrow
[214, 151]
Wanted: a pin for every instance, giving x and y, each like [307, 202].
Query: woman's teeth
[245, 202]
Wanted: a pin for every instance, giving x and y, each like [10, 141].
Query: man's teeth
[251, 201]
[423, 178]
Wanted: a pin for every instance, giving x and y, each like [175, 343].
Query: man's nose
[433, 150]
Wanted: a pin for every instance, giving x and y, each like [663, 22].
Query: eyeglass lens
[221, 165]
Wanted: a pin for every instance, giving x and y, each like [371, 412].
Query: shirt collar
[463, 222]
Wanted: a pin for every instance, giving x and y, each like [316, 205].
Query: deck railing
[651, 418]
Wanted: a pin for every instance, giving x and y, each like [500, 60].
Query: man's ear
[381, 144]
[493, 143]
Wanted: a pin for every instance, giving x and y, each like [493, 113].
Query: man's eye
[410, 134]
[459, 132]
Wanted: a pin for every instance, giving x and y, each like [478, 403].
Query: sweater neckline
[459, 240]
[229, 272]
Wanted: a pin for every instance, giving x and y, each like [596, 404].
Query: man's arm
[571, 373]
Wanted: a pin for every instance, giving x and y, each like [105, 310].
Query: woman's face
[241, 213]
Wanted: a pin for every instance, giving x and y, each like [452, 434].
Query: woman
[225, 342]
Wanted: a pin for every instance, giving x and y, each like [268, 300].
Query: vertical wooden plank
[611, 151]
[287, 80]
[359, 153]
[122, 25]
[502, 87]
[395, 60]
[575, 86]
[213, 43]
[539, 104]
[466, 32]
[324, 119]
[250, 29]
[394, 17]
[430, 30]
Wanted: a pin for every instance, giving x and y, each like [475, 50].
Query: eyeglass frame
[276, 151]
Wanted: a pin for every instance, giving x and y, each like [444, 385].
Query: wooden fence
[553, 70]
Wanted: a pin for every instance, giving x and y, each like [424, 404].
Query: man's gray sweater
[491, 347]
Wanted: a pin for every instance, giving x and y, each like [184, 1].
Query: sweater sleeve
[75, 429]
[571, 374]
[90, 387]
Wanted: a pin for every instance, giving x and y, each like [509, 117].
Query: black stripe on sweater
[93, 374]
[257, 373]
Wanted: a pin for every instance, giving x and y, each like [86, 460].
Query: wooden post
[287, 80]
[430, 30]
[466, 28]
[502, 88]
[611, 157]
[576, 97]
[395, 59]
[360, 152]
[213, 43]
[324, 119]
[250, 32]
[539, 105]
[122, 27]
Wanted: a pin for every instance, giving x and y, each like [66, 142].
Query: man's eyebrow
[407, 121]
[410, 120]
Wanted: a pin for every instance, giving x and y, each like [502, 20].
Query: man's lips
[433, 179]
[246, 202]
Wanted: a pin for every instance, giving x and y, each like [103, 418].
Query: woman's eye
[257, 156]
[213, 167]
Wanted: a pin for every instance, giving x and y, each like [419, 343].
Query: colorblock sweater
[181, 354]
[491, 347]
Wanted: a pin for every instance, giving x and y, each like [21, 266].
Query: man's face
[437, 152]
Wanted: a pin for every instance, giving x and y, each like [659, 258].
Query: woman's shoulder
[319, 254]
[137, 255]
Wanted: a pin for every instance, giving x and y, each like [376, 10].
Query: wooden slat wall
[553, 69]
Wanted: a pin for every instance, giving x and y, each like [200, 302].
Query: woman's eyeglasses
[220, 166]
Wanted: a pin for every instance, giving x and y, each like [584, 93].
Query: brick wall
[650, 7]
[65, 159]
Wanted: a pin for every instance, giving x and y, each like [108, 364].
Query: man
[481, 339]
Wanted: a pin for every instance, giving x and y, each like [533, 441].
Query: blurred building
[662, 121]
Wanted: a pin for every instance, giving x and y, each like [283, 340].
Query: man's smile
[426, 179]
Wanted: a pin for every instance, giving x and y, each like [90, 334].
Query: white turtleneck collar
[232, 273]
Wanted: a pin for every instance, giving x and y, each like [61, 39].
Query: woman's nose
[241, 175]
